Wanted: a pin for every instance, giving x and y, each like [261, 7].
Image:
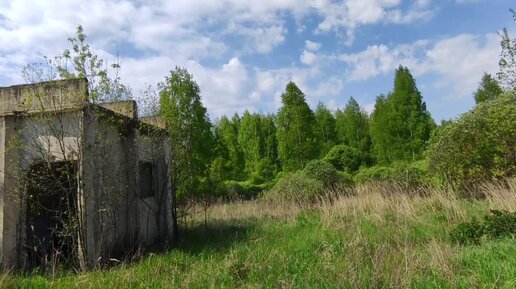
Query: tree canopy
[401, 124]
[190, 131]
[488, 89]
[297, 143]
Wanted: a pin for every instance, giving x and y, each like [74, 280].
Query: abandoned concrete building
[79, 180]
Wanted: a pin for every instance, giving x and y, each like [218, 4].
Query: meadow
[377, 237]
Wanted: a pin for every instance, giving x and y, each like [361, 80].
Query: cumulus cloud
[312, 46]
[215, 41]
[458, 61]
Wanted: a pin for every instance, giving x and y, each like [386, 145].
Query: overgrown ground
[379, 238]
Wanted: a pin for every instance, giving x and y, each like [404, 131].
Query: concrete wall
[108, 143]
[26, 141]
[46, 96]
[153, 147]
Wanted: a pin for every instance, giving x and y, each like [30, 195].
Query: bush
[467, 233]
[500, 224]
[344, 158]
[323, 172]
[296, 187]
[497, 225]
[410, 174]
[317, 179]
[245, 190]
[479, 146]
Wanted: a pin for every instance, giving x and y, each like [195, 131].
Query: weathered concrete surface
[52, 122]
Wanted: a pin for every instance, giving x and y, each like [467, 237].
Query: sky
[243, 53]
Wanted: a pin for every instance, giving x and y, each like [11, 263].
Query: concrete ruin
[79, 180]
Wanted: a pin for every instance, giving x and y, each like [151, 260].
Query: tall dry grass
[374, 199]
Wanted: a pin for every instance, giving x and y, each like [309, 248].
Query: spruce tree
[296, 139]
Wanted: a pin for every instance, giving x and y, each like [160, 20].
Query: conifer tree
[296, 139]
[402, 126]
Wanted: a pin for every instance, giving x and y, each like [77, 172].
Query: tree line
[248, 153]
[256, 148]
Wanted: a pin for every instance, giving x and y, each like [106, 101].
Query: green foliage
[500, 224]
[316, 180]
[190, 132]
[295, 122]
[244, 190]
[467, 233]
[296, 187]
[497, 225]
[488, 89]
[322, 171]
[401, 124]
[324, 129]
[344, 158]
[227, 131]
[353, 127]
[479, 146]
[408, 174]
[257, 140]
[80, 61]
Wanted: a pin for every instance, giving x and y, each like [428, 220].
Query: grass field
[378, 238]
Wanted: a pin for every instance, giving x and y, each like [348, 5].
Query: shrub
[296, 187]
[467, 233]
[245, 190]
[500, 224]
[317, 179]
[497, 225]
[344, 158]
[479, 146]
[373, 174]
[321, 171]
[410, 174]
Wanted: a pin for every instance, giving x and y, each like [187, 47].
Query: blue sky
[243, 53]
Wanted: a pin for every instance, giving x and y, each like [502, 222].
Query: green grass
[368, 241]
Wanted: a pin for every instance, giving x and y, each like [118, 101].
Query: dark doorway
[51, 228]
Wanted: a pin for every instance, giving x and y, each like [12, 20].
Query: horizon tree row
[257, 147]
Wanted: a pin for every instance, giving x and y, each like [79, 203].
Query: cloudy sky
[242, 53]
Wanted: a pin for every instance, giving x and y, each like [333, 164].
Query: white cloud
[461, 60]
[308, 57]
[312, 46]
[458, 61]
[158, 35]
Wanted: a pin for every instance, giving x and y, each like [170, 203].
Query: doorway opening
[51, 223]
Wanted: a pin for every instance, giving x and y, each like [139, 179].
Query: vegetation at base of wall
[377, 238]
